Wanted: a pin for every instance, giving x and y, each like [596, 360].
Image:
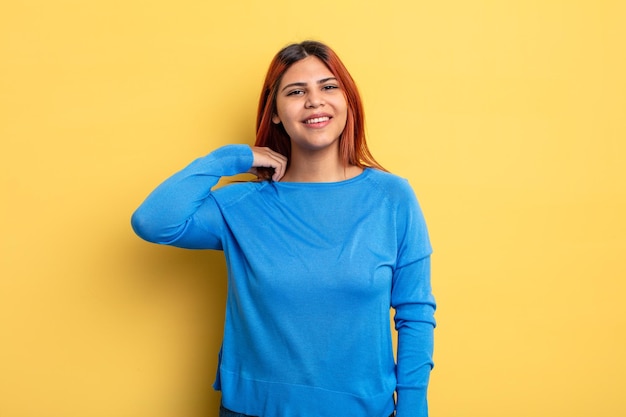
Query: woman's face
[311, 106]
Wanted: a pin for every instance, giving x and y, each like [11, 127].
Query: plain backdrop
[507, 117]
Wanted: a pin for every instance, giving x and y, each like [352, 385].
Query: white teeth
[317, 120]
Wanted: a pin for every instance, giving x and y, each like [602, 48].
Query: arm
[181, 211]
[414, 318]
[414, 306]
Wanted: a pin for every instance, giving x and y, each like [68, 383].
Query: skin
[313, 110]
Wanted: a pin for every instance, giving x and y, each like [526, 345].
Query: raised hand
[267, 158]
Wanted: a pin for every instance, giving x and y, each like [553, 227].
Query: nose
[313, 100]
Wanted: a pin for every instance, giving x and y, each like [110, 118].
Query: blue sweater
[313, 269]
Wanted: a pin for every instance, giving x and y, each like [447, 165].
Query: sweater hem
[262, 398]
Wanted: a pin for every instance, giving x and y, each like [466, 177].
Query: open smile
[317, 120]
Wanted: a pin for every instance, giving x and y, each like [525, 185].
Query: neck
[316, 167]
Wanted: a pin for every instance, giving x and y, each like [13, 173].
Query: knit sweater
[313, 270]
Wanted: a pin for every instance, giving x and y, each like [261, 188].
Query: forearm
[415, 323]
[167, 212]
[415, 348]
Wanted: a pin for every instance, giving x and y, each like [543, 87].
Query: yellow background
[508, 117]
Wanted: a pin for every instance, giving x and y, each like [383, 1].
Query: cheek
[344, 115]
[287, 121]
[283, 113]
[342, 107]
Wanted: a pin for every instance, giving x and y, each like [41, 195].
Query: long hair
[353, 148]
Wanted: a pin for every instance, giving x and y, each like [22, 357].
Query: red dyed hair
[352, 145]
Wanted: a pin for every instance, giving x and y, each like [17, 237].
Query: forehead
[309, 69]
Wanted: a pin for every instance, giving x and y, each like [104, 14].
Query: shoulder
[399, 196]
[396, 188]
[409, 219]
[232, 193]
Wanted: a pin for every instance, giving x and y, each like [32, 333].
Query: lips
[317, 119]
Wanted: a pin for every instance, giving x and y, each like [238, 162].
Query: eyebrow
[303, 84]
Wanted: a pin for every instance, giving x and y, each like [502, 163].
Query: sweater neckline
[356, 178]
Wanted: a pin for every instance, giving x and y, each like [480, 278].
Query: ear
[276, 119]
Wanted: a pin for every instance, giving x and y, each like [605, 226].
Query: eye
[330, 87]
[295, 93]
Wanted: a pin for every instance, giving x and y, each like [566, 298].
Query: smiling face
[311, 106]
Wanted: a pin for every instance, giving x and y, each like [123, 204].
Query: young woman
[318, 250]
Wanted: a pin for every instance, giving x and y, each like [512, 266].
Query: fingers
[267, 158]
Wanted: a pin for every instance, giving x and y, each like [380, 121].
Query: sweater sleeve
[414, 306]
[181, 211]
